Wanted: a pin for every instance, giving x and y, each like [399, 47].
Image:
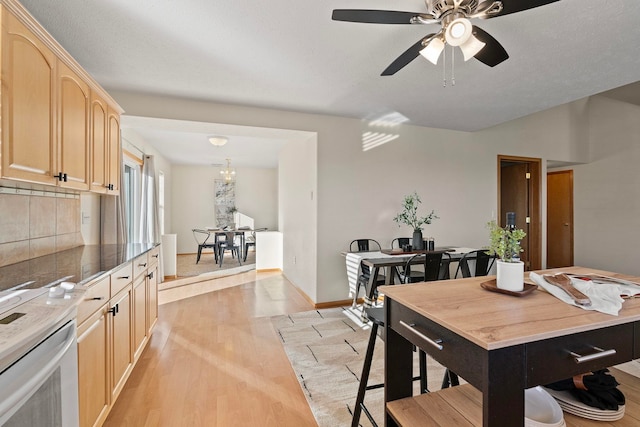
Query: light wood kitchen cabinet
[116, 318]
[139, 315]
[93, 369]
[98, 144]
[121, 339]
[112, 159]
[152, 297]
[105, 147]
[28, 115]
[73, 129]
[59, 127]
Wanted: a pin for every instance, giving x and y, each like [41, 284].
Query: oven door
[41, 388]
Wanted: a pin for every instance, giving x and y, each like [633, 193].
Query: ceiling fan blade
[409, 55]
[373, 16]
[513, 6]
[493, 53]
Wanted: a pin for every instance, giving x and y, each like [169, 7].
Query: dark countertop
[79, 265]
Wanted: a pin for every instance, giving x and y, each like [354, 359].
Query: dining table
[231, 233]
[389, 260]
[499, 344]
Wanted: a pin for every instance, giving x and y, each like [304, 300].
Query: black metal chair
[251, 241]
[377, 317]
[365, 245]
[436, 267]
[481, 261]
[228, 244]
[202, 239]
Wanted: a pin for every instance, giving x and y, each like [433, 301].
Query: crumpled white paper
[605, 297]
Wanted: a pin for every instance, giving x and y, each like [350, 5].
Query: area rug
[326, 349]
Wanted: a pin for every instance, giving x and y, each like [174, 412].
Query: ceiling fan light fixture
[471, 47]
[218, 141]
[458, 31]
[433, 49]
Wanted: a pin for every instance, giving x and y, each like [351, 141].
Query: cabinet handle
[600, 353]
[61, 176]
[155, 256]
[142, 265]
[150, 275]
[113, 310]
[94, 299]
[123, 277]
[437, 343]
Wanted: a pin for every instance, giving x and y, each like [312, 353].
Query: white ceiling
[289, 54]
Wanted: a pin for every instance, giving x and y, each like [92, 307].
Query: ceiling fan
[455, 28]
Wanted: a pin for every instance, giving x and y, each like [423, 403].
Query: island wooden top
[492, 320]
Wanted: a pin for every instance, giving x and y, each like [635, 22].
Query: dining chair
[475, 263]
[251, 241]
[228, 244]
[436, 267]
[202, 239]
[365, 245]
[399, 242]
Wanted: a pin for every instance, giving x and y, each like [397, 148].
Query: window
[131, 200]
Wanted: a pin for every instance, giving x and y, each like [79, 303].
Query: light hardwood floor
[215, 360]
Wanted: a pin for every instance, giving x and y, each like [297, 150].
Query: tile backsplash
[36, 225]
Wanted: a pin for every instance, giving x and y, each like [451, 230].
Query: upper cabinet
[28, 113]
[73, 129]
[59, 127]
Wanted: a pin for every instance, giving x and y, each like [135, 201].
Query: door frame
[535, 205]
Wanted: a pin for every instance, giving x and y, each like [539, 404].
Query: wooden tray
[490, 285]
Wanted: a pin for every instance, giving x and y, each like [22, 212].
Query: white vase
[510, 276]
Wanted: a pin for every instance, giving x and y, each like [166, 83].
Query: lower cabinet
[93, 369]
[139, 315]
[122, 356]
[115, 322]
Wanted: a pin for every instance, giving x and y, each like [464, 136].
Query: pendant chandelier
[229, 173]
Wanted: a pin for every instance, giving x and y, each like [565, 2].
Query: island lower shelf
[462, 406]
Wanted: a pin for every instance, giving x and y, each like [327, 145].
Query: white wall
[297, 183]
[607, 189]
[193, 199]
[359, 192]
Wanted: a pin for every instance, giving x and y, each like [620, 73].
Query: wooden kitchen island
[500, 344]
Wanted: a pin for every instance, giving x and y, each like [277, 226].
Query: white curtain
[149, 222]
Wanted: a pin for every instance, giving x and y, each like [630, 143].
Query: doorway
[519, 184]
[559, 219]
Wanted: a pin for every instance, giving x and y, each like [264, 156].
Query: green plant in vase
[505, 244]
[409, 216]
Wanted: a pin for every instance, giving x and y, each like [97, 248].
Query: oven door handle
[30, 372]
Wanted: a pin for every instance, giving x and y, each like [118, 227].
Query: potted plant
[409, 216]
[505, 244]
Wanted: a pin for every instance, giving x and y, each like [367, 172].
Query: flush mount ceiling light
[218, 141]
[228, 173]
[453, 17]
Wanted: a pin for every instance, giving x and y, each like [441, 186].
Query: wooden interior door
[559, 219]
[519, 192]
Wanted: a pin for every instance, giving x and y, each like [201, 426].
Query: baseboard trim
[268, 270]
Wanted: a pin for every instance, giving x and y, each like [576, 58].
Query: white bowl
[541, 409]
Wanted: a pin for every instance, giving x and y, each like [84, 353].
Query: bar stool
[376, 315]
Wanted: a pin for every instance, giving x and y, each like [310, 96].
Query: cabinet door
[139, 315]
[121, 355]
[98, 139]
[28, 122]
[93, 387]
[113, 152]
[152, 295]
[73, 129]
